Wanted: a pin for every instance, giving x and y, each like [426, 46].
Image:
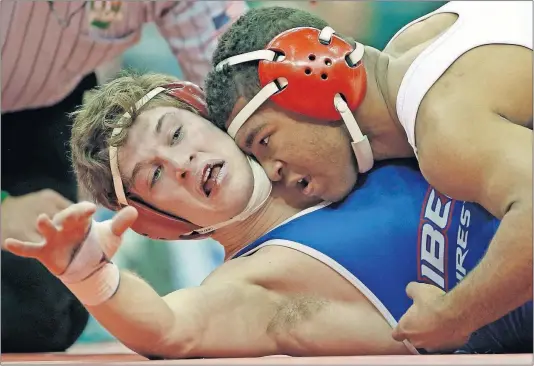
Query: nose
[181, 164]
[273, 168]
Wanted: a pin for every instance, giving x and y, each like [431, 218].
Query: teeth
[206, 175]
[218, 178]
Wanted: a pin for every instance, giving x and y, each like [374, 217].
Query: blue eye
[156, 176]
[176, 136]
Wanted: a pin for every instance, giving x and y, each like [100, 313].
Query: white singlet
[479, 23]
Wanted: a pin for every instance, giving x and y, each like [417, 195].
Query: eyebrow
[252, 135]
[160, 122]
[139, 165]
[135, 172]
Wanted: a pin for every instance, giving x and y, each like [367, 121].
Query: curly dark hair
[253, 31]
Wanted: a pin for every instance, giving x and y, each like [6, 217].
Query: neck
[237, 236]
[377, 115]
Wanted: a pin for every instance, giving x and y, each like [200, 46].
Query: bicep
[245, 320]
[228, 319]
[476, 157]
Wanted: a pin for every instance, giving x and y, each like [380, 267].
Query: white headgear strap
[260, 194]
[360, 143]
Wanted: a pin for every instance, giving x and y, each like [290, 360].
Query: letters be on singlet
[433, 240]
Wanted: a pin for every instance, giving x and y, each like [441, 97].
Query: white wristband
[99, 287]
[90, 276]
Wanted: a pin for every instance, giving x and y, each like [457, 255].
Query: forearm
[141, 319]
[193, 29]
[502, 281]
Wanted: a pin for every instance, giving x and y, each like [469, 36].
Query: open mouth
[212, 177]
[303, 184]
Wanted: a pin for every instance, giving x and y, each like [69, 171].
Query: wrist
[90, 276]
[454, 314]
[98, 287]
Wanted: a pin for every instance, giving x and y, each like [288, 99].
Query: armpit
[295, 310]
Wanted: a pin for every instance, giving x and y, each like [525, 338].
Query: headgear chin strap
[313, 73]
[157, 224]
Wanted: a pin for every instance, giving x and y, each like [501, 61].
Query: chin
[298, 200]
[340, 192]
[234, 203]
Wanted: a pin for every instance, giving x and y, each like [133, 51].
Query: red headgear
[313, 73]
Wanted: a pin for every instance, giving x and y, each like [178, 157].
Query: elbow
[520, 211]
[525, 204]
[166, 347]
[519, 204]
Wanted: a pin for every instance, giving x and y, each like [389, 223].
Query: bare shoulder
[474, 147]
[288, 270]
[267, 265]
[420, 34]
[487, 85]
[491, 78]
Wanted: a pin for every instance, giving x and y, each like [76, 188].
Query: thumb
[413, 289]
[123, 220]
[398, 333]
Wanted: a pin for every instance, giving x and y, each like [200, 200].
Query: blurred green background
[175, 265]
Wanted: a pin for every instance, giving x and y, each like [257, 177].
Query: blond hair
[95, 120]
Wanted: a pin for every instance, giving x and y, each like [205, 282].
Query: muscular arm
[484, 158]
[210, 320]
[226, 317]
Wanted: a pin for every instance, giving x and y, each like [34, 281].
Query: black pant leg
[39, 314]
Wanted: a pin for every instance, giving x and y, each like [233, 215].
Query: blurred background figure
[370, 22]
[50, 51]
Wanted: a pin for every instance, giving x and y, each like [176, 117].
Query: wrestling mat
[118, 354]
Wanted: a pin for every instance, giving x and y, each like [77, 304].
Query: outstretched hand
[64, 234]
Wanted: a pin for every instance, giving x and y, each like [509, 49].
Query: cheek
[175, 197]
[229, 149]
[322, 150]
[306, 146]
[330, 146]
